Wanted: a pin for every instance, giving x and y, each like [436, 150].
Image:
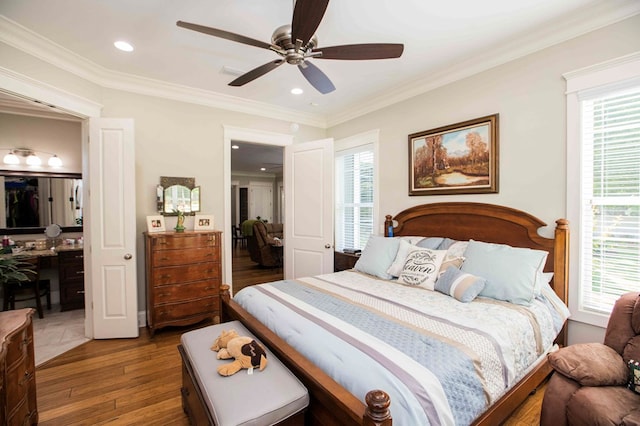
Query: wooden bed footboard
[330, 403]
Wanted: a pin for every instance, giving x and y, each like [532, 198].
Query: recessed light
[235, 147]
[123, 45]
[297, 91]
[262, 169]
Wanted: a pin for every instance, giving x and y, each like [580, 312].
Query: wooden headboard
[490, 223]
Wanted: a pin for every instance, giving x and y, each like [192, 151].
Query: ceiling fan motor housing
[282, 38]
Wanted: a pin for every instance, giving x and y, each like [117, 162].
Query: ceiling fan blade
[257, 72]
[361, 51]
[317, 78]
[307, 15]
[224, 34]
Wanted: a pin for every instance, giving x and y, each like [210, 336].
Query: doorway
[256, 171]
[250, 137]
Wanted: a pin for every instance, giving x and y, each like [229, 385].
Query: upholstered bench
[273, 396]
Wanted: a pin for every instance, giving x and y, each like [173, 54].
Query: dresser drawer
[18, 348]
[71, 257]
[20, 379]
[185, 273]
[182, 292]
[186, 241]
[179, 311]
[180, 257]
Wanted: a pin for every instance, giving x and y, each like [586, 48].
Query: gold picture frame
[460, 158]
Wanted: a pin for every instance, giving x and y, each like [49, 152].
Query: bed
[339, 400]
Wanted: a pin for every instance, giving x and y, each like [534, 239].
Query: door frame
[233, 133]
[31, 89]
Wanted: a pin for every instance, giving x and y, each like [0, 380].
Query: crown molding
[25, 40]
[567, 28]
[33, 90]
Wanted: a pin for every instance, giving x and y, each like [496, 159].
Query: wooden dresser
[71, 279]
[17, 369]
[183, 274]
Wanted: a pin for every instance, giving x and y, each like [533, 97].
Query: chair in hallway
[33, 288]
[236, 233]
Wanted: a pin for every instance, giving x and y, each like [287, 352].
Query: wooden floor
[137, 381]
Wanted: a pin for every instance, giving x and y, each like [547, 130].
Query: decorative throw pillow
[513, 274]
[590, 364]
[398, 263]
[421, 267]
[634, 376]
[455, 283]
[377, 256]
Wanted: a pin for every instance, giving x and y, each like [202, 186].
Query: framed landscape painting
[461, 158]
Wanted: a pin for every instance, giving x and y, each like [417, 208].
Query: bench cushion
[263, 398]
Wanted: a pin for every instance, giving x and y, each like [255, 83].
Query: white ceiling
[444, 41]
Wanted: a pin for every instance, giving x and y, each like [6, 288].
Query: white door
[308, 179]
[110, 246]
[261, 200]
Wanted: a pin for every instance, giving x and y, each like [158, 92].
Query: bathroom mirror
[31, 201]
[179, 194]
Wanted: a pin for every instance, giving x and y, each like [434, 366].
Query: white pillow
[421, 267]
[398, 263]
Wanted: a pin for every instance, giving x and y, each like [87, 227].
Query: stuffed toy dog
[247, 352]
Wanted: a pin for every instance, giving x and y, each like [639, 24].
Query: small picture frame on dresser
[155, 224]
[203, 222]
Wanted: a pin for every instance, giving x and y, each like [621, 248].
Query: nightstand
[342, 261]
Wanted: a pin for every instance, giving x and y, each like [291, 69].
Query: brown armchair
[262, 244]
[588, 386]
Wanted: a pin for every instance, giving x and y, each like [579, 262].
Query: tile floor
[57, 333]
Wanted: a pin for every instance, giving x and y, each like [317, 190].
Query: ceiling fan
[297, 43]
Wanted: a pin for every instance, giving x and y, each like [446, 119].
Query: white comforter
[441, 361]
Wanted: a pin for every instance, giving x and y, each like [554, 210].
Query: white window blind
[354, 196]
[610, 197]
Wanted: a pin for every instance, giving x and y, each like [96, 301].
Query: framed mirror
[32, 201]
[179, 193]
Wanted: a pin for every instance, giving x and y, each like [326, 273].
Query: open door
[111, 300]
[308, 179]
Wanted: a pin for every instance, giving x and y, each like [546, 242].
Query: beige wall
[528, 93]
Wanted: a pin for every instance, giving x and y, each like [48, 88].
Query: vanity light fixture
[32, 159]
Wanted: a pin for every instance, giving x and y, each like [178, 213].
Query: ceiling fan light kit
[297, 43]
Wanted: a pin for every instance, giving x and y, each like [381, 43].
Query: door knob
[327, 246]
[127, 256]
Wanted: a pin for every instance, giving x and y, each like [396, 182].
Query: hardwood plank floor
[246, 272]
[137, 381]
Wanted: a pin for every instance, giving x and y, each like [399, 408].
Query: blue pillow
[431, 243]
[377, 256]
[513, 274]
[455, 283]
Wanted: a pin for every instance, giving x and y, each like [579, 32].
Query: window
[610, 249]
[604, 194]
[355, 193]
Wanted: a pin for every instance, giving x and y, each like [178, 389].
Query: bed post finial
[377, 413]
[388, 226]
